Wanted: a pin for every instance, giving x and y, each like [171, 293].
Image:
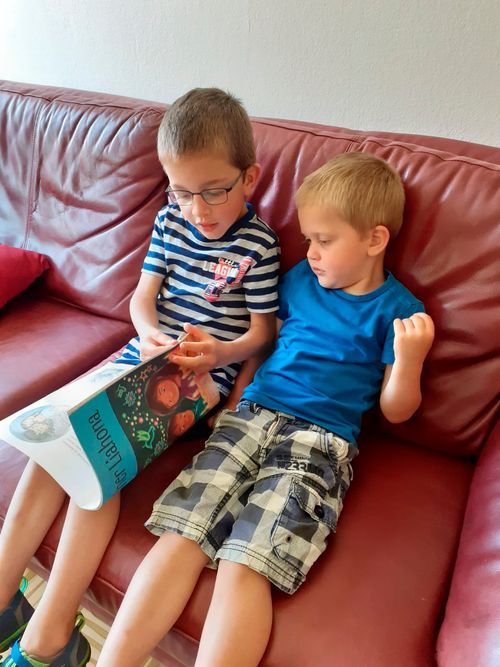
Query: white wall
[423, 66]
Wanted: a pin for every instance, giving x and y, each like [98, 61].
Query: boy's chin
[325, 282]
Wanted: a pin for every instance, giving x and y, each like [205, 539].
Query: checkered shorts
[266, 491]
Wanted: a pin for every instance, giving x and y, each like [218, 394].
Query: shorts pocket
[219, 418]
[302, 527]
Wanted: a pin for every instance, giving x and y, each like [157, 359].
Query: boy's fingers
[180, 359]
[409, 324]
[195, 332]
[418, 319]
[398, 326]
[423, 323]
[418, 324]
[428, 321]
[191, 348]
[188, 362]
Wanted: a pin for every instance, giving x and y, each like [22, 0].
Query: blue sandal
[76, 653]
[14, 618]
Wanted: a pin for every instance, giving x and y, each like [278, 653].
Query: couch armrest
[470, 633]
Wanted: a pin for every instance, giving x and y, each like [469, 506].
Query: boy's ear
[250, 178]
[379, 238]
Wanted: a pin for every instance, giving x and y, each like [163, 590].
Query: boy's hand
[201, 353]
[152, 343]
[413, 338]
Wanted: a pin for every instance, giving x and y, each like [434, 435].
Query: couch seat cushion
[382, 580]
[66, 342]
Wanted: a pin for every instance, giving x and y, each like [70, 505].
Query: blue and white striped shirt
[214, 284]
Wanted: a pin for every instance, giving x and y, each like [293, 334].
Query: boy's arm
[400, 395]
[145, 318]
[243, 379]
[247, 371]
[205, 352]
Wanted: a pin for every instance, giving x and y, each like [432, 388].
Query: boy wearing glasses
[211, 270]
[212, 266]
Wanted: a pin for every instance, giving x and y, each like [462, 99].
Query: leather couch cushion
[469, 634]
[45, 343]
[81, 184]
[446, 254]
[405, 503]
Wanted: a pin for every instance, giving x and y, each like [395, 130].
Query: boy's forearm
[143, 314]
[401, 396]
[257, 341]
[203, 352]
[243, 379]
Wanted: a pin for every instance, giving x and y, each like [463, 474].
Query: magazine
[98, 432]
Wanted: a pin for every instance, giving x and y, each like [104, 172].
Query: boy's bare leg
[84, 539]
[35, 504]
[157, 594]
[240, 615]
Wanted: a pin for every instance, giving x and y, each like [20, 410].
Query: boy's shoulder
[296, 284]
[169, 211]
[301, 270]
[252, 222]
[400, 294]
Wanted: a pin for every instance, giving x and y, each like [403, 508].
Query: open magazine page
[44, 433]
[95, 434]
[131, 422]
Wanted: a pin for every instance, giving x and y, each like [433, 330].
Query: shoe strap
[24, 585]
[79, 620]
[20, 659]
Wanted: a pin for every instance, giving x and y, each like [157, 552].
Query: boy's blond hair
[363, 189]
[207, 120]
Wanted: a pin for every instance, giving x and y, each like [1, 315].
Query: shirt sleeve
[283, 296]
[154, 262]
[406, 311]
[261, 282]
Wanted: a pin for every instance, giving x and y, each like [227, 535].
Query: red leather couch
[412, 577]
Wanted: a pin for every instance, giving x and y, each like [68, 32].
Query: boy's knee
[241, 572]
[182, 547]
[37, 480]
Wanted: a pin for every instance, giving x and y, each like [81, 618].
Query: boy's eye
[214, 195]
[324, 242]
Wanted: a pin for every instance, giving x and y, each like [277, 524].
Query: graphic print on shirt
[227, 274]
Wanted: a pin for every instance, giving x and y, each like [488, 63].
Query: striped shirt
[215, 284]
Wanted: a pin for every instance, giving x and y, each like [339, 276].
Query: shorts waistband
[256, 409]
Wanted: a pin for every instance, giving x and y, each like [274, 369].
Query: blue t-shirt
[332, 349]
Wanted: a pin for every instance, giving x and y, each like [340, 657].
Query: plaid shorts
[266, 492]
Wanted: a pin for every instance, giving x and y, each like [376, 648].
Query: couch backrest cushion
[446, 253]
[81, 183]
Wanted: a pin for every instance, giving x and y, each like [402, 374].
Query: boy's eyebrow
[318, 234]
[215, 182]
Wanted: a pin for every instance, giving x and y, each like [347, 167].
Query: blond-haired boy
[211, 270]
[262, 497]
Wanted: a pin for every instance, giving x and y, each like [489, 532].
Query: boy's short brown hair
[207, 120]
[362, 188]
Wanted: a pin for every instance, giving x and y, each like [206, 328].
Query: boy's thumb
[193, 331]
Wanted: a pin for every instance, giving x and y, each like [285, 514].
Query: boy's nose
[312, 252]
[199, 206]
